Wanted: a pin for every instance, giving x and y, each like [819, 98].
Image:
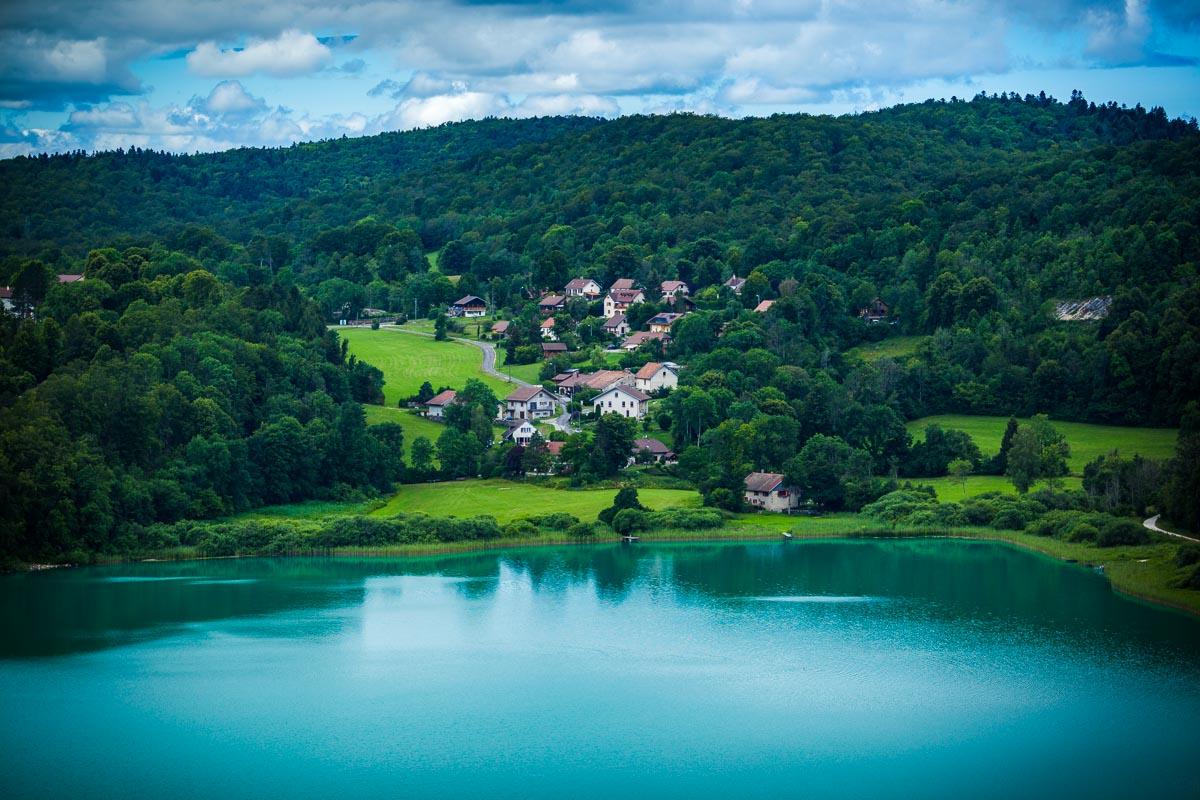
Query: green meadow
[895, 347]
[408, 360]
[1086, 440]
[507, 500]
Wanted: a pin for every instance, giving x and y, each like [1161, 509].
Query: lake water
[807, 669]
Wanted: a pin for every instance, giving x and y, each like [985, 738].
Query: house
[6, 299]
[616, 325]
[641, 337]
[661, 323]
[569, 383]
[468, 306]
[530, 402]
[654, 376]
[875, 311]
[621, 299]
[547, 329]
[673, 289]
[551, 304]
[521, 432]
[735, 284]
[435, 407]
[69, 278]
[764, 306]
[500, 329]
[652, 450]
[552, 349]
[584, 287]
[621, 283]
[770, 492]
[623, 400]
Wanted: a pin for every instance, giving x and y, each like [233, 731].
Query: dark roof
[622, 283]
[654, 446]
[501, 326]
[763, 481]
[579, 283]
[554, 347]
[443, 399]
[552, 300]
[615, 321]
[624, 295]
[69, 278]
[470, 300]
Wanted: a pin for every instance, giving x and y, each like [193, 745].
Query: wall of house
[619, 404]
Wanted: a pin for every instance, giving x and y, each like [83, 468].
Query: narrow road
[1152, 524]
[562, 422]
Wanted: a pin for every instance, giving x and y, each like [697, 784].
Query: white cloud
[1118, 38]
[292, 53]
[420, 112]
[230, 97]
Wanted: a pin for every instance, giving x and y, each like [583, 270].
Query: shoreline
[1115, 567]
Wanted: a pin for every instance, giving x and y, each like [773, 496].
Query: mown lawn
[522, 372]
[895, 347]
[407, 360]
[953, 490]
[414, 424]
[1087, 441]
[506, 500]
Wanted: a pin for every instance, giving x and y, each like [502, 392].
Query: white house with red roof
[583, 287]
[435, 407]
[654, 376]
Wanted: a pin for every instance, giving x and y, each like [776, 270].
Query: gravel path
[1152, 524]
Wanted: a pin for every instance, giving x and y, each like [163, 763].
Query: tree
[1181, 495]
[960, 469]
[440, 323]
[421, 455]
[459, 453]
[612, 445]
[824, 468]
[1024, 460]
[625, 498]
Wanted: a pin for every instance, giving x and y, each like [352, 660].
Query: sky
[214, 74]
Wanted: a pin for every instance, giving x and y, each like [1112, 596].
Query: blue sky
[214, 74]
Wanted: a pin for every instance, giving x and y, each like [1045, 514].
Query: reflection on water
[823, 668]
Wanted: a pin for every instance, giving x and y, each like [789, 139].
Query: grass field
[414, 424]
[506, 500]
[1087, 441]
[952, 490]
[896, 347]
[408, 360]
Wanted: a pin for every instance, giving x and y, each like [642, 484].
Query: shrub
[628, 520]
[1083, 532]
[555, 521]
[1192, 580]
[1008, 519]
[582, 530]
[1122, 532]
[686, 519]
[1187, 555]
[900, 505]
[521, 528]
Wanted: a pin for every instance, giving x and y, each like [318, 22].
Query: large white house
[770, 492]
[621, 299]
[623, 400]
[584, 287]
[654, 376]
[529, 402]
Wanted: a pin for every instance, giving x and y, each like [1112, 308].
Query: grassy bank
[407, 361]
[1087, 441]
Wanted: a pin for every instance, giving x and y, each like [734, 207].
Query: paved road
[1152, 524]
[562, 421]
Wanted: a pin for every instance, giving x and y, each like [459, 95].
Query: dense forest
[209, 278]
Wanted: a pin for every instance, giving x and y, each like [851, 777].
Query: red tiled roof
[621, 283]
[764, 306]
[555, 448]
[524, 394]
[69, 278]
[443, 399]
[648, 370]
[501, 326]
[625, 295]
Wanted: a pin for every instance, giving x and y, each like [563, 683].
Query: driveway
[1152, 524]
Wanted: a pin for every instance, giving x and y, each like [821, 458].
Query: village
[534, 415]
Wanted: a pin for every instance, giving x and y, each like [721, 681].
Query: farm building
[552, 349]
[435, 407]
[770, 492]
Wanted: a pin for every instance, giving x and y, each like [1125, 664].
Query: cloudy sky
[213, 74]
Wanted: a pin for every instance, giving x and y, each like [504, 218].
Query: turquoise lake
[862, 668]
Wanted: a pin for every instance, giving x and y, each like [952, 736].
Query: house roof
[552, 300]
[442, 399]
[629, 390]
[654, 446]
[673, 286]
[554, 347]
[524, 394]
[615, 321]
[6, 292]
[764, 306]
[649, 370]
[501, 326]
[644, 336]
[604, 378]
[69, 278]
[665, 318]
[763, 481]
[625, 295]
[621, 283]
[515, 426]
[555, 448]
[581, 283]
[548, 322]
[469, 300]
[735, 282]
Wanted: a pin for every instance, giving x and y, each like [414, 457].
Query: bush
[727, 499]
[1122, 532]
[582, 530]
[1187, 555]
[521, 528]
[686, 519]
[1192, 581]
[1083, 532]
[628, 520]
[555, 521]
[1008, 519]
